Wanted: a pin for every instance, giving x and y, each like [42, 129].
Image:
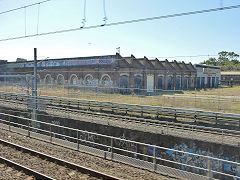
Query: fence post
[135, 156]
[154, 158]
[175, 115]
[28, 128]
[77, 139]
[9, 127]
[216, 119]
[167, 128]
[209, 174]
[111, 148]
[222, 136]
[192, 131]
[50, 133]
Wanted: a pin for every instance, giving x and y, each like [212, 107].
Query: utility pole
[34, 91]
[35, 73]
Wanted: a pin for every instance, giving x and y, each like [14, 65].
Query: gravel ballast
[106, 166]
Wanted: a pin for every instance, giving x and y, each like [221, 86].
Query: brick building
[112, 71]
[230, 78]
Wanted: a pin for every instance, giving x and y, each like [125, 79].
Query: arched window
[48, 79]
[170, 83]
[88, 80]
[178, 83]
[186, 81]
[106, 81]
[138, 82]
[160, 82]
[73, 79]
[60, 79]
[124, 83]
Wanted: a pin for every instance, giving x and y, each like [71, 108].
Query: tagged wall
[189, 145]
[175, 143]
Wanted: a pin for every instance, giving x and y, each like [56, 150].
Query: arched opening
[48, 79]
[170, 83]
[60, 79]
[124, 83]
[138, 84]
[178, 82]
[89, 80]
[73, 79]
[106, 81]
[186, 81]
[160, 83]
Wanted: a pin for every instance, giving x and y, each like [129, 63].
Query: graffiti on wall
[125, 144]
[197, 161]
[62, 63]
[88, 137]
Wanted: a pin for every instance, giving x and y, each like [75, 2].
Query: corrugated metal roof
[230, 73]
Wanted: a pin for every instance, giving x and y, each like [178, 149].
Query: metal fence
[147, 156]
[224, 120]
[226, 104]
[202, 133]
[132, 95]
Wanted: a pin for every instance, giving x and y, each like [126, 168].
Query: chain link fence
[155, 158]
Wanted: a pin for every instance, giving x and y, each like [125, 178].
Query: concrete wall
[189, 145]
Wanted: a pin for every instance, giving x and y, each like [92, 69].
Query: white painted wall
[150, 83]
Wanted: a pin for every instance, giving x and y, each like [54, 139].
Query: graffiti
[89, 137]
[91, 82]
[55, 122]
[107, 83]
[197, 161]
[125, 144]
[59, 63]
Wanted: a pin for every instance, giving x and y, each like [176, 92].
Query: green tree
[229, 61]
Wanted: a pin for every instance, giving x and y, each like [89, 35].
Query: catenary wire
[25, 20]
[38, 17]
[126, 22]
[84, 14]
[22, 7]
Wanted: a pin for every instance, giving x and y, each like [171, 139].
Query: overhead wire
[25, 20]
[84, 14]
[221, 3]
[127, 22]
[38, 17]
[207, 55]
[22, 7]
[104, 12]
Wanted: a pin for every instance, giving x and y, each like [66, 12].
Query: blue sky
[201, 34]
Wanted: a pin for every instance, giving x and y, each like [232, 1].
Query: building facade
[207, 76]
[123, 74]
[230, 78]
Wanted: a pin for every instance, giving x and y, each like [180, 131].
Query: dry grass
[219, 100]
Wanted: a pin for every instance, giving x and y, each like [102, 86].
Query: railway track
[110, 153]
[60, 111]
[150, 112]
[24, 169]
[43, 166]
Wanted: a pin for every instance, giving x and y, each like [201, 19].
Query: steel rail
[107, 136]
[175, 125]
[116, 105]
[139, 143]
[62, 162]
[190, 127]
[25, 169]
